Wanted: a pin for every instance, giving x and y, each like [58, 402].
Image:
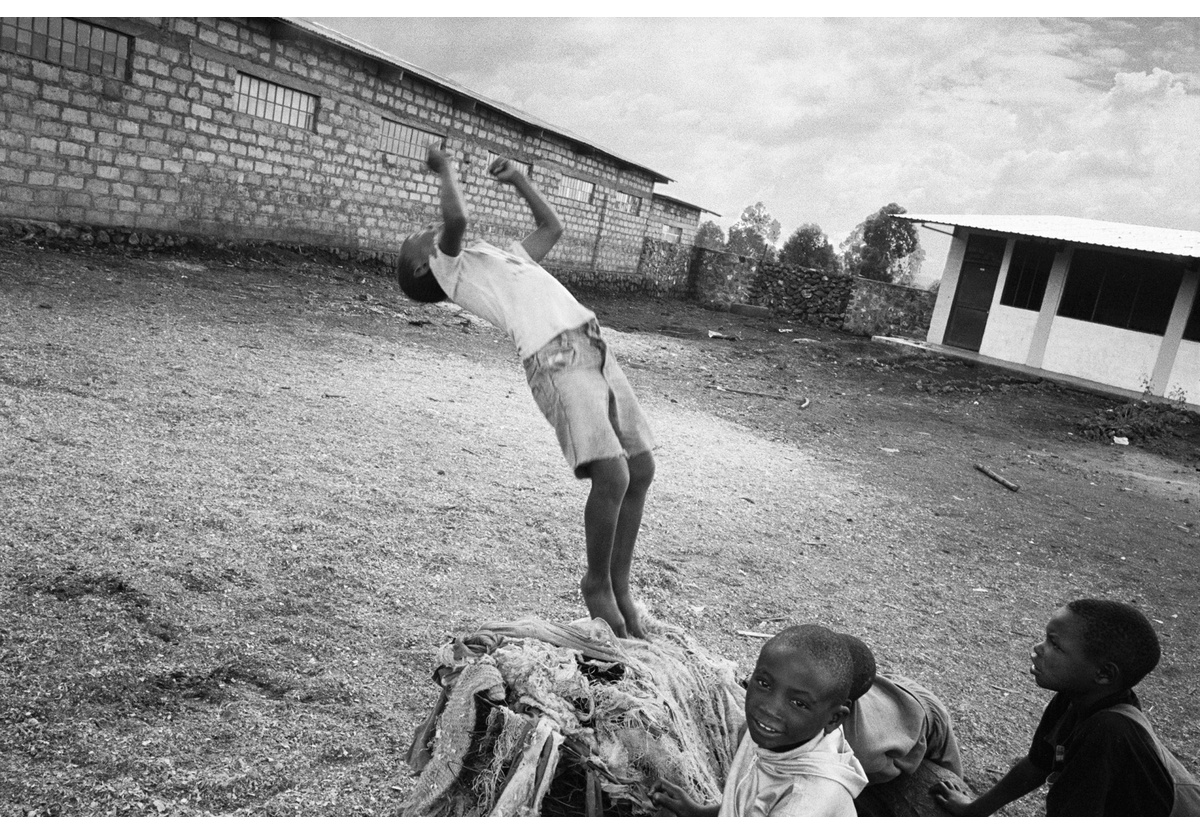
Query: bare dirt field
[245, 494]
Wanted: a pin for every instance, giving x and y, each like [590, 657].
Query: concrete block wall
[668, 212]
[164, 149]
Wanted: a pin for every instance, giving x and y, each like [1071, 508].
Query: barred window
[492, 156]
[575, 189]
[628, 203]
[406, 140]
[268, 100]
[67, 42]
[672, 234]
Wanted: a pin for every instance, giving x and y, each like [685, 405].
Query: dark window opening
[1028, 274]
[1191, 330]
[1121, 291]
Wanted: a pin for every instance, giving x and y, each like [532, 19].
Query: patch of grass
[1140, 421]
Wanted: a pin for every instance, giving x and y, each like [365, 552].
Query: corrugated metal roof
[1180, 242]
[668, 198]
[347, 42]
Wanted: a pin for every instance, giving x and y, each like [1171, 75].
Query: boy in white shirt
[793, 759]
[574, 378]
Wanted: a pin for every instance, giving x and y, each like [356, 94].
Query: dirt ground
[246, 494]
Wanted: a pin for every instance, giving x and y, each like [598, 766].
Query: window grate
[67, 42]
[672, 234]
[267, 100]
[576, 189]
[628, 203]
[492, 156]
[406, 140]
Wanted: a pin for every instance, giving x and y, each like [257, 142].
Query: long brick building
[280, 129]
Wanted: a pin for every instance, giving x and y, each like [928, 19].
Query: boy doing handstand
[574, 378]
[1093, 744]
[793, 760]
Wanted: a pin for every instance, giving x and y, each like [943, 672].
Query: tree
[710, 236]
[884, 248]
[755, 233]
[808, 246]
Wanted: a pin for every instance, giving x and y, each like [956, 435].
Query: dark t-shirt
[1101, 763]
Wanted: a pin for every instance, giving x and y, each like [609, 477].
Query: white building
[1073, 299]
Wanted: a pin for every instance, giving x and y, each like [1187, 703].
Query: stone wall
[718, 279]
[161, 146]
[878, 309]
[666, 267]
[802, 294]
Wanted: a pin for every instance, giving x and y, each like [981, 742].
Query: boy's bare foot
[601, 603]
[633, 623]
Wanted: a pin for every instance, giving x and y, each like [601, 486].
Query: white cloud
[826, 120]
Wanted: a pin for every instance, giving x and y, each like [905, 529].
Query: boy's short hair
[423, 288]
[863, 660]
[827, 647]
[1116, 632]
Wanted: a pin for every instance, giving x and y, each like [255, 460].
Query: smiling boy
[793, 760]
[1093, 746]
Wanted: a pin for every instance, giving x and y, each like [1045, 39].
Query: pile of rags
[538, 718]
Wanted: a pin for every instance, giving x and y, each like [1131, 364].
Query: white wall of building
[1185, 375]
[1109, 355]
[1009, 332]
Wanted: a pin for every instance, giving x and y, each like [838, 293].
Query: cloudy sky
[825, 120]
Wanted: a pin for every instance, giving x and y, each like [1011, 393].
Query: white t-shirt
[512, 291]
[818, 779]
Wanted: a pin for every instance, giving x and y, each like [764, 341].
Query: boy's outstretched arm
[454, 208]
[1021, 778]
[549, 225]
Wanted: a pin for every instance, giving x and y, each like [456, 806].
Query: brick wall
[670, 213]
[164, 149]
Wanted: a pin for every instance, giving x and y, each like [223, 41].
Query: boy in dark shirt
[1097, 760]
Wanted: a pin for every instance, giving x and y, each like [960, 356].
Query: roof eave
[346, 42]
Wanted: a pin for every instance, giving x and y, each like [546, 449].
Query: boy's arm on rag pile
[549, 226]
[454, 208]
[666, 794]
[1022, 778]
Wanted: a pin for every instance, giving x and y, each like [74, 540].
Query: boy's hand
[956, 802]
[436, 158]
[504, 170]
[675, 799]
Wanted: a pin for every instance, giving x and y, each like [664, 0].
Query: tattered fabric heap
[536, 718]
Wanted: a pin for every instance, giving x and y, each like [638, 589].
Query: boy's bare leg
[629, 522]
[610, 481]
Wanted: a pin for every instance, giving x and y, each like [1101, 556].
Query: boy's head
[412, 271]
[863, 660]
[799, 687]
[1093, 645]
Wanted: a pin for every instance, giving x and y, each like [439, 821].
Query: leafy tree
[884, 248]
[754, 234]
[808, 246]
[710, 236]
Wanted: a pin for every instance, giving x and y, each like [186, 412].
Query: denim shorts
[584, 394]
